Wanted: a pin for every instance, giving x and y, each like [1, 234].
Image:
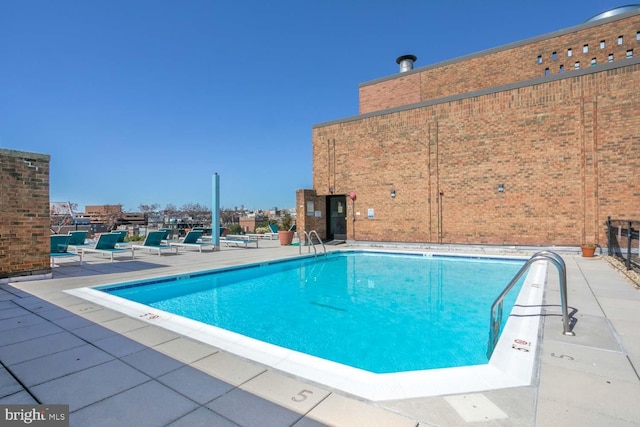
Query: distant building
[248, 224]
[250, 221]
[112, 214]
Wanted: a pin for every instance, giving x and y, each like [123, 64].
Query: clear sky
[141, 101]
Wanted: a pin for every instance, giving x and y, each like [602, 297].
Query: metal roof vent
[406, 62]
[614, 12]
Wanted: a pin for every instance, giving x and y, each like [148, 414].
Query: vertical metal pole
[562, 274]
[440, 228]
[215, 212]
[629, 245]
[609, 236]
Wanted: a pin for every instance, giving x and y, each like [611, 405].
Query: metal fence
[623, 241]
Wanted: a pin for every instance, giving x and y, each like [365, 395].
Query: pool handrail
[309, 242]
[496, 321]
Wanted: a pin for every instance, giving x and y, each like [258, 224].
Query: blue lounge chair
[168, 234]
[153, 242]
[122, 235]
[192, 240]
[274, 232]
[106, 245]
[78, 240]
[59, 248]
[122, 243]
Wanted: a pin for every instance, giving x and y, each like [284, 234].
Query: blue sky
[141, 101]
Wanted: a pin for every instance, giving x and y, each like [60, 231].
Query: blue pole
[215, 212]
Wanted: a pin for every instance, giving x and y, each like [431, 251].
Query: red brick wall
[306, 220]
[402, 90]
[566, 151]
[24, 214]
[505, 65]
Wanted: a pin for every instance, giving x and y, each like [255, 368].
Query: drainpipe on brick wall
[440, 228]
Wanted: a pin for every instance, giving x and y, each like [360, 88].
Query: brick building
[531, 143]
[24, 215]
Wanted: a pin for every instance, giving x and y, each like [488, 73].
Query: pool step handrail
[315, 233]
[496, 318]
[309, 242]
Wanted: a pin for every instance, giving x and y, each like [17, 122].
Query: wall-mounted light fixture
[501, 188]
[330, 190]
[393, 194]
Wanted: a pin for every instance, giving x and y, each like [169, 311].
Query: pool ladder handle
[496, 321]
[310, 244]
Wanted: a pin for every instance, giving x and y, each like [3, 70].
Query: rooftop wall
[24, 214]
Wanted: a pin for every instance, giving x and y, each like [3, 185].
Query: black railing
[623, 240]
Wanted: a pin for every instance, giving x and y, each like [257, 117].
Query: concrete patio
[116, 370]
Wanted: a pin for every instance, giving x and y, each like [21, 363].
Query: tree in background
[151, 213]
[149, 209]
[235, 229]
[61, 214]
[111, 215]
[286, 222]
[195, 214]
[170, 213]
[228, 216]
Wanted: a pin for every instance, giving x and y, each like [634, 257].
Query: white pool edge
[511, 365]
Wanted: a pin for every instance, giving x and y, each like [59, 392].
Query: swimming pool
[355, 311]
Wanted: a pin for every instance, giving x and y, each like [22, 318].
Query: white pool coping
[512, 362]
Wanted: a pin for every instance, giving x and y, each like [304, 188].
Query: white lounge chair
[192, 240]
[243, 240]
[153, 242]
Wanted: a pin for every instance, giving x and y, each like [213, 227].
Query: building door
[337, 218]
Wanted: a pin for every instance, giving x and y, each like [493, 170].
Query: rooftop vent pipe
[406, 62]
[614, 12]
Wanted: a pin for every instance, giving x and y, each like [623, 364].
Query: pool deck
[112, 369]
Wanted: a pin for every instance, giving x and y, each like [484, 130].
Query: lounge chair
[243, 240]
[192, 240]
[59, 248]
[122, 236]
[153, 242]
[106, 245]
[223, 232]
[272, 235]
[168, 234]
[78, 240]
[274, 231]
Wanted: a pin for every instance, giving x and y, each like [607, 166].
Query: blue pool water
[379, 312]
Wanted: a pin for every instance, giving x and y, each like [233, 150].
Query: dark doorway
[337, 218]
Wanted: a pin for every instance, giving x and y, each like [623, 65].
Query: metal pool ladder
[310, 244]
[496, 320]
